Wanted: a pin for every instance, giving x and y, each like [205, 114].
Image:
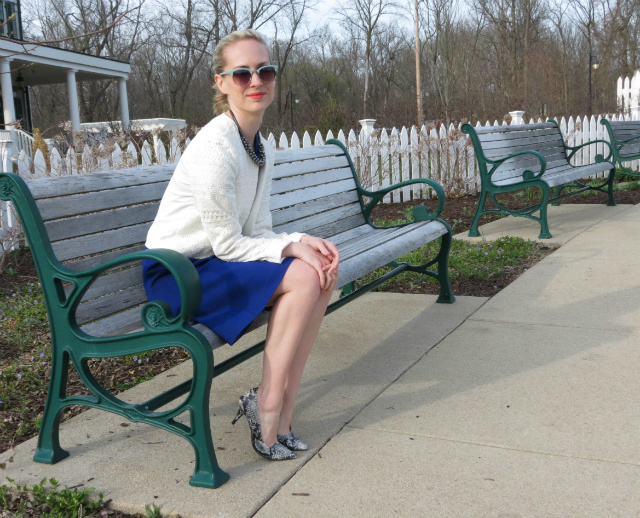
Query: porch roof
[40, 64]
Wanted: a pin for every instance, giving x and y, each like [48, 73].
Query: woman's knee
[302, 276]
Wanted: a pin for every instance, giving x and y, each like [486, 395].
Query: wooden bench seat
[625, 141]
[516, 157]
[87, 234]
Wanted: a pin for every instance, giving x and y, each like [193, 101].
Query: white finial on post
[517, 117]
[367, 127]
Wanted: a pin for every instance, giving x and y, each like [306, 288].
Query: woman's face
[256, 96]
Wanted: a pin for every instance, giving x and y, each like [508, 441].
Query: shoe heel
[238, 415]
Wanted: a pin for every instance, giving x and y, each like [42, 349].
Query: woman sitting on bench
[215, 211]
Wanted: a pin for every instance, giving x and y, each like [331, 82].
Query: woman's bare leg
[296, 300]
[294, 376]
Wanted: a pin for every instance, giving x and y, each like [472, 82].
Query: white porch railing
[21, 140]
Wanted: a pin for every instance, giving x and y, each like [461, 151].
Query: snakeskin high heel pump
[248, 407]
[292, 442]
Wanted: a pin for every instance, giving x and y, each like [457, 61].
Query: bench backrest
[93, 218]
[498, 142]
[624, 130]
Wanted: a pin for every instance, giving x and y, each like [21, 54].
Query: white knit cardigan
[217, 201]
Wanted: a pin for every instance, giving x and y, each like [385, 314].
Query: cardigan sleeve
[213, 177]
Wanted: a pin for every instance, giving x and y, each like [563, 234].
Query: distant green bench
[625, 141]
[86, 234]
[516, 157]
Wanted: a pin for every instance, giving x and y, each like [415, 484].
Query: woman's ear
[220, 83]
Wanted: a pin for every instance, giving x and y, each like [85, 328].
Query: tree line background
[479, 58]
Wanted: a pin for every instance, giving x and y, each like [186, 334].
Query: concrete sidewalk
[525, 405]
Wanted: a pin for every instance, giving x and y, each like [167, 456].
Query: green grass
[26, 360]
[467, 262]
[47, 502]
[53, 501]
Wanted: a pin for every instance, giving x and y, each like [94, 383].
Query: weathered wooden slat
[96, 243]
[101, 221]
[78, 204]
[69, 185]
[490, 139]
[480, 130]
[111, 303]
[350, 234]
[304, 181]
[307, 153]
[128, 319]
[563, 175]
[113, 281]
[331, 229]
[545, 149]
[630, 150]
[91, 262]
[279, 201]
[528, 139]
[309, 166]
[359, 265]
[373, 239]
[295, 212]
[312, 222]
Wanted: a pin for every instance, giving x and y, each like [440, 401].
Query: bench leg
[446, 295]
[473, 231]
[544, 225]
[612, 201]
[49, 450]
[207, 472]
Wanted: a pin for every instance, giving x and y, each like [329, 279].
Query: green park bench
[86, 234]
[517, 157]
[625, 141]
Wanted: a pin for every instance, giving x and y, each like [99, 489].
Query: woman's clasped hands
[321, 255]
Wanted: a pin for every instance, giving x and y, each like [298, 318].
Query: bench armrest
[528, 174]
[420, 212]
[155, 314]
[599, 157]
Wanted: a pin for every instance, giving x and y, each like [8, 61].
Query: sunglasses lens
[267, 74]
[242, 76]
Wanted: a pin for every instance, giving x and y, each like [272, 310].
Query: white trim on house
[38, 64]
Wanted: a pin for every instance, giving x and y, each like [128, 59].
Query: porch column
[74, 109]
[124, 104]
[7, 91]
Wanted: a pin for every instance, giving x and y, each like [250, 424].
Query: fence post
[516, 117]
[367, 126]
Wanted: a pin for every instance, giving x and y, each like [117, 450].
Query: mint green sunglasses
[242, 76]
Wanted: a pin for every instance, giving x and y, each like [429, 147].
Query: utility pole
[418, 88]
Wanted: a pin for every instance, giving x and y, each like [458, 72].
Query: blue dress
[233, 293]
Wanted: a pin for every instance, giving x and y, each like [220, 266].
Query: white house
[25, 64]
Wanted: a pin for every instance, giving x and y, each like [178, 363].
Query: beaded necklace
[259, 161]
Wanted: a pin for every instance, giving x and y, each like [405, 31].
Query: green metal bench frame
[533, 176]
[64, 288]
[619, 146]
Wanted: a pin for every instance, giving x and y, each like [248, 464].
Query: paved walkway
[525, 405]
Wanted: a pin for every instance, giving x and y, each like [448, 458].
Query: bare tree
[364, 17]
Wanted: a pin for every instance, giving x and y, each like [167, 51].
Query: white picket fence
[382, 158]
